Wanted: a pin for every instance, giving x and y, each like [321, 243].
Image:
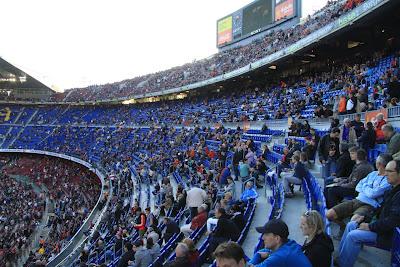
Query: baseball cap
[274, 226]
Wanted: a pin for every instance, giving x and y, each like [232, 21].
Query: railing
[71, 249]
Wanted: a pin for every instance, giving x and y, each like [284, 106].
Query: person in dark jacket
[238, 155]
[318, 246]
[300, 173]
[328, 152]
[129, 255]
[344, 164]
[358, 125]
[182, 256]
[367, 139]
[224, 231]
[171, 228]
[238, 217]
[379, 232]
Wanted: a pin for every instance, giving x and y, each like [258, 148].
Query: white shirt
[195, 197]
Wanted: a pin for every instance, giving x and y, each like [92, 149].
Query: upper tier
[234, 62]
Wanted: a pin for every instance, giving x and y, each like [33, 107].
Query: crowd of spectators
[21, 211]
[218, 64]
[72, 190]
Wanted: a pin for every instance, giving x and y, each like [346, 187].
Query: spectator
[379, 232]
[310, 149]
[394, 87]
[237, 217]
[300, 173]
[143, 256]
[129, 255]
[318, 246]
[358, 125]
[351, 104]
[249, 193]
[230, 254]
[367, 139]
[140, 222]
[193, 254]
[223, 177]
[342, 105]
[279, 250]
[244, 170]
[225, 230]
[380, 121]
[171, 228]
[345, 186]
[284, 163]
[181, 259]
[345, 163]
[230, 187]
[370, 196]
[347, 133]
[195, 198]
[153, 248]
[328, 152]
[197, 222]
[153, 233]
[393, 139]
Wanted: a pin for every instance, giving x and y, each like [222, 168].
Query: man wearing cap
[279, 251]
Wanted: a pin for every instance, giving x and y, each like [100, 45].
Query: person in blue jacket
[249, 193]
[279, 251]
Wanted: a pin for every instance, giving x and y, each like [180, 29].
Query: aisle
[292, 211]
[260, 218]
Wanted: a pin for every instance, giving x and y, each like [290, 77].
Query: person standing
[194, 199]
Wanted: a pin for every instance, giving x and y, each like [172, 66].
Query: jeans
[351, 242]
[328, 168]
[290, 179]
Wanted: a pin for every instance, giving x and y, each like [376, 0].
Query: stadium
[280, 150]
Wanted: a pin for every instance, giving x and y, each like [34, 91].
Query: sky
[76, 43]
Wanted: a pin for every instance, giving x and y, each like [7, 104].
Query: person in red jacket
[140, 221]
[197, 222]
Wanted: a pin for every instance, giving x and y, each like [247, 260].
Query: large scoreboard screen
[257, 16]
[253, 18]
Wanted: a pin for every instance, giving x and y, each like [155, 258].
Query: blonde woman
[318, 246]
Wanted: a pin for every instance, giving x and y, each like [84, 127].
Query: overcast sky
[75, 43]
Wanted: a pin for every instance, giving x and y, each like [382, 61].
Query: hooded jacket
[319, 250]
[288, 255]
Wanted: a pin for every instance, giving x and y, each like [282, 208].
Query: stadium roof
[12, 77]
